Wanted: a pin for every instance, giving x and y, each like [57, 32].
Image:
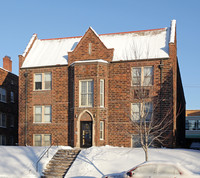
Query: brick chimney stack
[7, 63]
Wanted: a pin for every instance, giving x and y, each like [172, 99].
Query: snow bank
[99, 161]
[20, 161]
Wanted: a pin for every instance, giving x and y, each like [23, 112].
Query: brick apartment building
[80, 91]
[8, 104]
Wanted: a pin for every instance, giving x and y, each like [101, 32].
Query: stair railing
[42, 155]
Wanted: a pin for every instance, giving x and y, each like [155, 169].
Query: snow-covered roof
[145, 44]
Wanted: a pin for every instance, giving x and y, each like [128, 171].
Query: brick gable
[98, 49]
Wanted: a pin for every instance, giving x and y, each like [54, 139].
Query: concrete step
[60, 163]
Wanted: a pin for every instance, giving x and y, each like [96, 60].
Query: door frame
[78, 127]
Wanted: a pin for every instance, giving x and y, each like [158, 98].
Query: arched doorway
[85, 127]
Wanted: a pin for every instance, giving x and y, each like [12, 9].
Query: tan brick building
[79, 91]
[8, 104]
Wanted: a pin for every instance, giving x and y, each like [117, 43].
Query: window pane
[38, 140]
[90, 86]
[136, 141]
[12, 121]
[38, 77]
[90, 99]
[148, 111]
[12, 96]
[47, 140]
[101, 92]
[47, 114]
[3, 120]
[48, 81]
[148, 76]
[192, 124]
[198, 124]
[135, 111]
[101, 130]
[83, 87]
[38, 81]
[38, 113]
[136, 76]
[83, 99]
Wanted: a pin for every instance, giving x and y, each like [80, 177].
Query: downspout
[161, 81]
[26, 85]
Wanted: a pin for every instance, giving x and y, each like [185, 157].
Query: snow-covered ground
[20, 162]
[99, 161]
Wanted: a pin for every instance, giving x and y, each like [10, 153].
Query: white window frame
[87, 94]
[141, 111]
[102, 130]
[102, 93]
[1, 120]
[42, 141]
[43, 75]
[142, 77]
[1, 139]
[43, 107]
[12, 97]
[3, 95]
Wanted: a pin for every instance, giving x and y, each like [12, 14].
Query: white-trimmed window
[86, 93]
[42, 139]
[42, 81]
[142, 76]
[142, 111]
[12, 98]
[101, 130]
[2, 95]
[101, 93]
[42, 114]
[2, 140]
[2, 120]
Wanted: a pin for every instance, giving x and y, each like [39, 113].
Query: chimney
[7, 63]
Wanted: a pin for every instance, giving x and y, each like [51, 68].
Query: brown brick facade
[64, 97]
[9, 83]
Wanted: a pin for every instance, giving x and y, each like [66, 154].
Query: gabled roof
[144, 44]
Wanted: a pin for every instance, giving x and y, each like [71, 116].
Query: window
[2, 95]
[136, 142]
[142, 111]
[42, 139]
[2, 140]
[42, 114]
[142, 76]
[101, 130]
[86, 93]
[2, 119]
[101, 93]
[12, 121]
[43, 81]
[12, 97]
[192, 124]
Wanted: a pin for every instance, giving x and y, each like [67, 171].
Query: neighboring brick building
[8, 104]
[79, 91]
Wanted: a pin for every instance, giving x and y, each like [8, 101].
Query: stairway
[60, 163]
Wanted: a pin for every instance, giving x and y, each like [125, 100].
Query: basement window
[42, 139]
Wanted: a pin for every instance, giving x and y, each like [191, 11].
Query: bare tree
[150, 126]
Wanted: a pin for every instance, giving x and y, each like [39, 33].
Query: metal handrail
[42, 157]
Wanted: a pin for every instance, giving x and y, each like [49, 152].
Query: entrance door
[86, 134]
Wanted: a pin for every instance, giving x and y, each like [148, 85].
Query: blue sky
[19, 19]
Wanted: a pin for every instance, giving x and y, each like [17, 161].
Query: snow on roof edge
[29, 44]
[88, 61]
[8, 71]
[173, 31]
